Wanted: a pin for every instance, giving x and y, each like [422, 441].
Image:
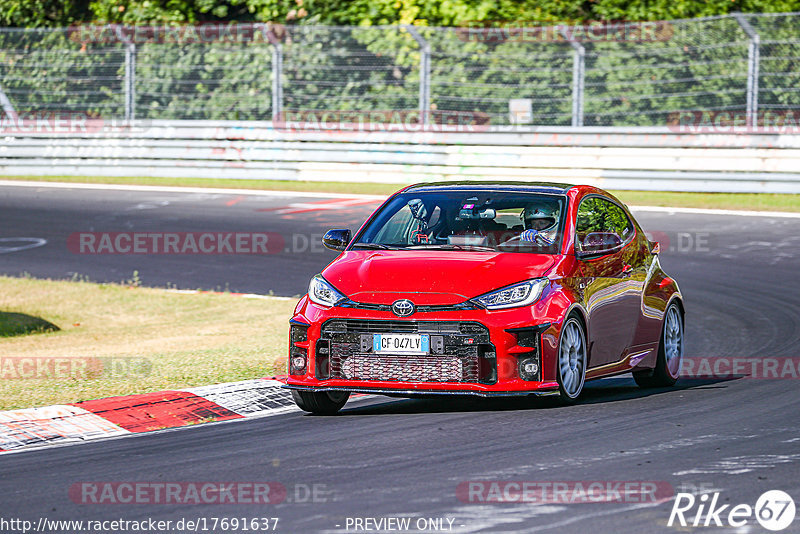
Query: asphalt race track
[406, 458]
[55, 214]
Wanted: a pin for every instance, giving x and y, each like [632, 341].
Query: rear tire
[320, 402]
[571, 365]
[670, 353]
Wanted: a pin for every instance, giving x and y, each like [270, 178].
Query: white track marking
[514, 518]
[586, 461]
[738, 465]
[584, 517]
[33, 242]
[150, 205]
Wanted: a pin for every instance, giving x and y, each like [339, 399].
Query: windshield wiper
[379, 246]
[454, 247]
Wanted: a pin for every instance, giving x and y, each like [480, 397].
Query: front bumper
[490, 350]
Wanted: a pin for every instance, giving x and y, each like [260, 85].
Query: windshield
[467, 220]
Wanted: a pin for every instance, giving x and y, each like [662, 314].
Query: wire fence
[611, 74]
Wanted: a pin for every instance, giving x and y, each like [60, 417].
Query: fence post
[130, 74]
[424, 74]
[578, 74]
[277, 73]
[5, 103]
[130, 82]
[753, 60]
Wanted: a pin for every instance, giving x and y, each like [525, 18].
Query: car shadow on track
[596, 392]
[624, 388]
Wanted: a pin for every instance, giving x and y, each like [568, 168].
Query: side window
[617, 221]
[395, 231]
[401, 226]
[590, 218]
[597, 220]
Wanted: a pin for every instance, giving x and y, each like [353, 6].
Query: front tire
[320, 402]
[670, 353]
[571, 370]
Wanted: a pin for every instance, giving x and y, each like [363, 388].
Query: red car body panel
[621, 299]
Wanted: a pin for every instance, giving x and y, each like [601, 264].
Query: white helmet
[540, 217]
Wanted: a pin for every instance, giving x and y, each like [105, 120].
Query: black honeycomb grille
[458, 359]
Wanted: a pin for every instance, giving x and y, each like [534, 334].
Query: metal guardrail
[615, 158]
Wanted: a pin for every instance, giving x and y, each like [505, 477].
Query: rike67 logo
[774, 510]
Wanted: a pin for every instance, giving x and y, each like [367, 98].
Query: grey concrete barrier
[615, 158]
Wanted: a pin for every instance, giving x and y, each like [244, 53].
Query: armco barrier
[615, 158]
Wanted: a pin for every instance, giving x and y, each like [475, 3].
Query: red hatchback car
[488, 289]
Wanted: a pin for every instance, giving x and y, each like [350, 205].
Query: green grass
[123, 340]
[734, 201]
[728, 201]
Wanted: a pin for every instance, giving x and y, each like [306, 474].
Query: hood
[430, 277]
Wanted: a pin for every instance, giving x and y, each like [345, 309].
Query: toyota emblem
[403, 308]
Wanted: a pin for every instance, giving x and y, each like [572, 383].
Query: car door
[608, 271]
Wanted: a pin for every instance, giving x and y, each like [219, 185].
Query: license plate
[401, 343]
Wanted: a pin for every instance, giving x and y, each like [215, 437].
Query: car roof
[522, 187]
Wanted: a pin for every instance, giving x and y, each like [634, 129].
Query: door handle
[627, 270]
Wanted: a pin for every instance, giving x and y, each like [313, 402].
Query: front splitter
[417, 393]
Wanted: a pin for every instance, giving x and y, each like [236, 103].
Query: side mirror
[336, 239]
[655, 248]
[599, 243]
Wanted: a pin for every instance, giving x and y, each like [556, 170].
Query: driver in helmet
[419, 234]
[540, 222]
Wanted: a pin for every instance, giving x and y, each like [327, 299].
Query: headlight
[520, 294]
[321, 292]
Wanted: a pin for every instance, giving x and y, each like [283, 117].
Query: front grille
[398, 368]
[461, 351]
